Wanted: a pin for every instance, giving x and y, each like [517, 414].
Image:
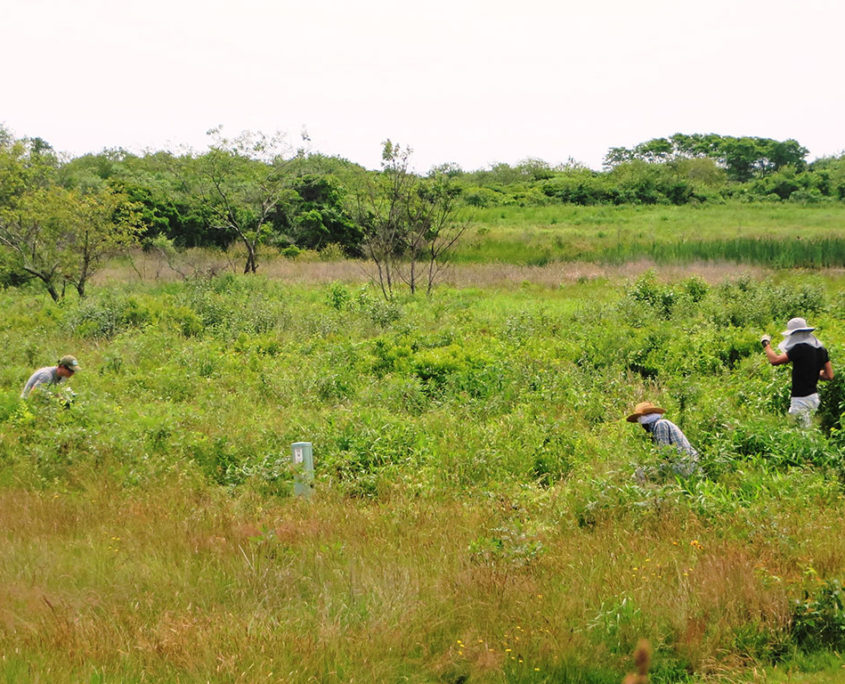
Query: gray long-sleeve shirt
[49, 375]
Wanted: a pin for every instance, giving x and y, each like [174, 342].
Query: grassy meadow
[777, 234]
[475, 515]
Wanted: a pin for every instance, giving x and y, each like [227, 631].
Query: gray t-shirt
[48, 375]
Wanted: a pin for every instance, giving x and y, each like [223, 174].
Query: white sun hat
[797, 325]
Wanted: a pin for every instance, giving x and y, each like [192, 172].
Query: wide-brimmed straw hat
[643, 409]
[796, 325]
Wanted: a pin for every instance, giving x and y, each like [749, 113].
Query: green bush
[832, 407]
[185, 320]
[106, 315]
[818, 621]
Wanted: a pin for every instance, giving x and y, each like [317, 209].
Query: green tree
[149, 182]
[534, 169]
[434, 227]
[657, 150]
[380, 209]
[743, 158]
[830, 172]
[316, 215]
[32, 209]
[700, 171]
[241, 183]
[62, 237]
[33, 231]
[101, 224]
[25, 164]
[52, 233]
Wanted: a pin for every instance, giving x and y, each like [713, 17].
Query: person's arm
[774, 358]
[30, 384]
[826, 373]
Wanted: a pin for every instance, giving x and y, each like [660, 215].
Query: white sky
[473, 82]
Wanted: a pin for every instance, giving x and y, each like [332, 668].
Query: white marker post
[303, 464]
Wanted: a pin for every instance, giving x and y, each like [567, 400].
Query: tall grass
[780, 236]
[790, 253]
[177, 582]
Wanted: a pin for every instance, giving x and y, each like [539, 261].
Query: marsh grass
[790, 253]
[706, 221]
[759, 234]
[503, 274]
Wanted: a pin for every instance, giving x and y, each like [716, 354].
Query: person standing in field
[51, 375]
[810, 363]
[664, 433]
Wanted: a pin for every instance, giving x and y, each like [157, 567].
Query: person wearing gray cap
[810, 363]
[51, 375]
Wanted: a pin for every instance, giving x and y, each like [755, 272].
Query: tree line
[61, 218]
[680, 169]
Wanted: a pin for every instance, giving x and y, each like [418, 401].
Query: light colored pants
[803, 407]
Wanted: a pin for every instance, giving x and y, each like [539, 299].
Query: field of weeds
[475, 515]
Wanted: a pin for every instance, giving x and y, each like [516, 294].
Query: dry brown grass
[150, 267]
[181, 583]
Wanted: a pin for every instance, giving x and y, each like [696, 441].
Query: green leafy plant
[818, 620]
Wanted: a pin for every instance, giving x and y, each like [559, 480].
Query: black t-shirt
[807, 361]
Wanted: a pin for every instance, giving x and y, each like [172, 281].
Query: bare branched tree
[381, 208]
[408, 222]
[433, 229]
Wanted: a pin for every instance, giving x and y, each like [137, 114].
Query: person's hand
[766, 340]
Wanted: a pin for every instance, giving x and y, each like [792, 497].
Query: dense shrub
[419, 375]
[818, 621]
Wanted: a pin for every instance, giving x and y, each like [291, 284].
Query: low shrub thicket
[268, 352]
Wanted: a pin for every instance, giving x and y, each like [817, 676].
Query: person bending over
[51, 375]
[664, 433]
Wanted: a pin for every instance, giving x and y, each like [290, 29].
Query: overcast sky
[466, 81]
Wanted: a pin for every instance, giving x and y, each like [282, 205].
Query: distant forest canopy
[303, 200]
